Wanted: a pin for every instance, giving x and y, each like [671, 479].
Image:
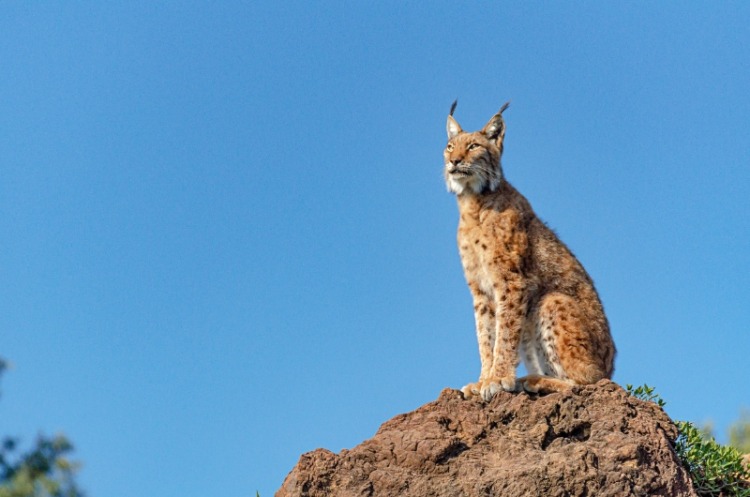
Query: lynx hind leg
[536, 383]
[570, 343]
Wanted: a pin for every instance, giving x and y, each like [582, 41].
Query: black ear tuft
[495, 128]
[453, 107]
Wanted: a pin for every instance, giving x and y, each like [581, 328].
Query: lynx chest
[491, 244]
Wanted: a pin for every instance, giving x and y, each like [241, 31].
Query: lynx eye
[449, 147]
[473, 146]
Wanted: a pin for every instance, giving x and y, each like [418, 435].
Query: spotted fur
[533, 300]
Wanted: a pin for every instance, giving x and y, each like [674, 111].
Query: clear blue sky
[225, 238]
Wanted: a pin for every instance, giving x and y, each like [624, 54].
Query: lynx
[533, 300]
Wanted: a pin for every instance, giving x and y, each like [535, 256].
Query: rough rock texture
[590, 441]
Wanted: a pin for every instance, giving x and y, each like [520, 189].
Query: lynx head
[472, 160]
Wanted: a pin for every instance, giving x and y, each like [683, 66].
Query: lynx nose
[454, 166]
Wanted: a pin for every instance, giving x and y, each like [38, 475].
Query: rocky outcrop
[590, 441]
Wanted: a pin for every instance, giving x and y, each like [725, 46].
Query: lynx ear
[495, 129]
[453, 127]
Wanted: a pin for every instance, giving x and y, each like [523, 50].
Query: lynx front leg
[510, 302]
[484, 316]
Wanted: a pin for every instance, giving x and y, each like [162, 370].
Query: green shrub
[716, 470]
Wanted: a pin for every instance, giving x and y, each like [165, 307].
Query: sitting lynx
[532, 298]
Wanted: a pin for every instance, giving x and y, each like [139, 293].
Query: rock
[590, 441]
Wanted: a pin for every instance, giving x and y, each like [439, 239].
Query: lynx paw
[489, 390]
[495, 385]
[471, 390]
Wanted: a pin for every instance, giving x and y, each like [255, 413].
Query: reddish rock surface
[591, 441]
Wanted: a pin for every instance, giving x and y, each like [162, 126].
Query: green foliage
[739, 433]
[42, 471]
[716, 470]
[707, 429]
[645, 392]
